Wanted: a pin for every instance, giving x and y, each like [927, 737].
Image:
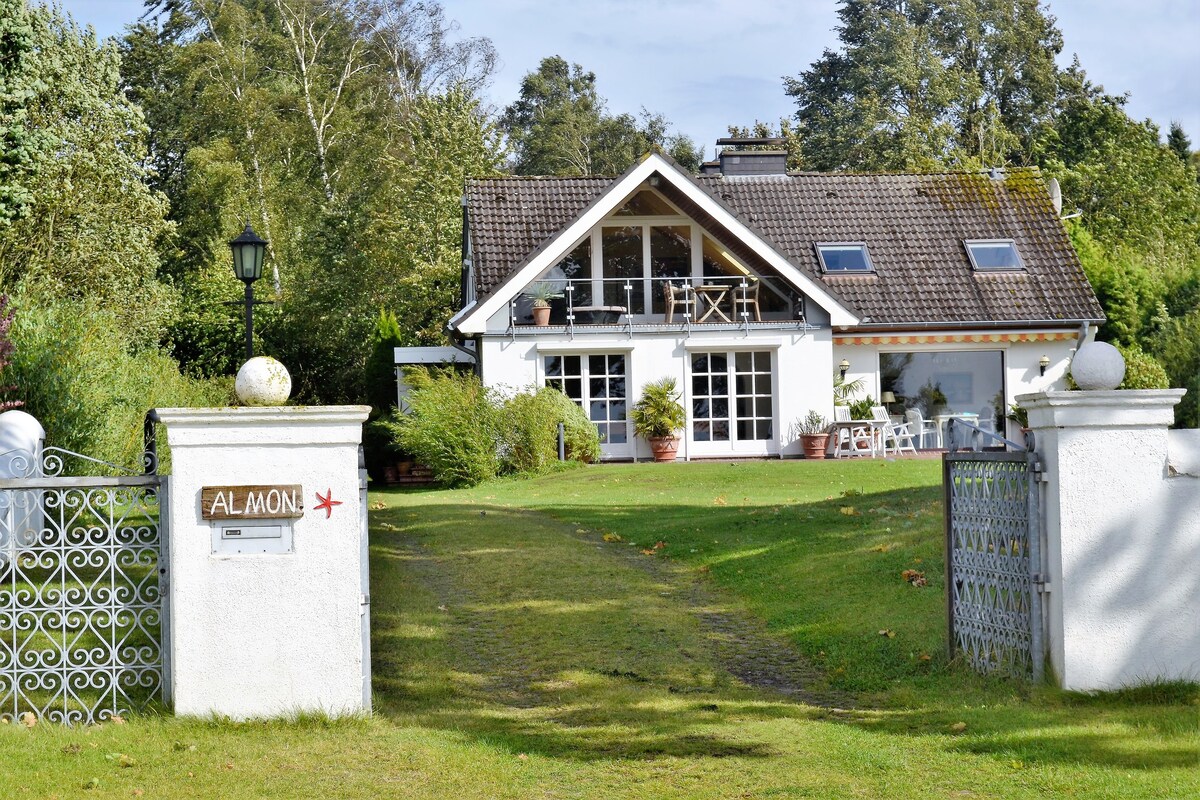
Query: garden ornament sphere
[263, 381]
[1098, 365]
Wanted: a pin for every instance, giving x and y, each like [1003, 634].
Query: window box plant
[658, 416]
[813, 433]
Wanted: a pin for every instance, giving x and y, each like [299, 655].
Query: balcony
[596, 305]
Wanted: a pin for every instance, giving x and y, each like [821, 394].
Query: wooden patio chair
[677, 296]
[745, 300]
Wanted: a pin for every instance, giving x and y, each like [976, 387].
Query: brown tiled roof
[509, 219]
[913, 225]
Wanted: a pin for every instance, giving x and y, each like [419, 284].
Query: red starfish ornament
[327, 503]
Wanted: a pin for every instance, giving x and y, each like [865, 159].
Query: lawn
[647, 631]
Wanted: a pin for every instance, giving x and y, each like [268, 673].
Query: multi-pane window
[597, 384]
[628, 258]
[710, 397]
[732, 396]
[752, 390]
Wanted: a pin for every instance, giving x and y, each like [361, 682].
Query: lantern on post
[843, 368]
[249, 252]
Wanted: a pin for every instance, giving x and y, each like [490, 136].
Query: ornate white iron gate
[81, 587]
[993, 559]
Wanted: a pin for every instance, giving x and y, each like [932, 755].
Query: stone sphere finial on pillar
[263, 381]
[1098, 366]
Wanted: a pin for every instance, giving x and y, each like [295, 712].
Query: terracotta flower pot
[814, 444]
[541, 315]
[664, 448]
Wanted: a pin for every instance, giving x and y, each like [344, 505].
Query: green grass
[517, 653]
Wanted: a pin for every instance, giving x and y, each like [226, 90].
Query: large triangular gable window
[625, 264]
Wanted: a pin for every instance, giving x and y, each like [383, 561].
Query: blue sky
[705, 64]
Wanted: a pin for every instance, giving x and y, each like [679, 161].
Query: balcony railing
[728, 300]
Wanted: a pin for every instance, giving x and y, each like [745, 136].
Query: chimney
[768, 157]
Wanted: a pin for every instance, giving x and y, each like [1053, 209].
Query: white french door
[597, 382]
[732, 403]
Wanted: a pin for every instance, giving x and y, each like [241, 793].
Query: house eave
[868, 328]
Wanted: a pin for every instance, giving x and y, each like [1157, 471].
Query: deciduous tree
[560, 126]
[91, 226]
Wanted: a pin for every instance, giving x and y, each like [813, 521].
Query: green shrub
[861, 409]
[453, 426]
[530, 431]
[466, 435]
[379, 373]
[529, 439]
[659, 412]
[580, 436]
[1142, 370]
[73, 368]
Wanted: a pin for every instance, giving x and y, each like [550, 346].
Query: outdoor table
[941, 420]
[711, 296]
[877, 435]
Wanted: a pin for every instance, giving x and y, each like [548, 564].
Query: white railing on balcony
[737, 300]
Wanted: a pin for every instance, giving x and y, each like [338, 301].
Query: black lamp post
[248, 252]
[843, 368]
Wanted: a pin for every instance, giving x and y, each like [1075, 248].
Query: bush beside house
[467, 434]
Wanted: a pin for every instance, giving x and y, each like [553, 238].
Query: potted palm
[813, 433]
[657, 416]
[542, 293]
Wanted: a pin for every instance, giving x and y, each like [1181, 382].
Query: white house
[953, 292]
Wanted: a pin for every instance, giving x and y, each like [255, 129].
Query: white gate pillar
[266, 593]
[1122, 537]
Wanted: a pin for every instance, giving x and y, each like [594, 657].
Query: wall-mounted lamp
[1043, 363]
[844, 367]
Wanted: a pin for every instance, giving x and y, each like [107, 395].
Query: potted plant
[542, 293]
[657, 416]
[813, 433]
[1020, 415]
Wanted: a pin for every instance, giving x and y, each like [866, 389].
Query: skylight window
[993, 255]
[848, 257]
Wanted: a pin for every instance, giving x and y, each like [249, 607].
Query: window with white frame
[994, 255]
[844, 257]
[732, 396]
[626, 259]
[597, 383]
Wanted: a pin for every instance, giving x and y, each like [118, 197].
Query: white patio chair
[899, 435]
[918, 427]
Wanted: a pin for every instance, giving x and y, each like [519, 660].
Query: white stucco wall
[800, 369]
[266, 635]
[1122, 537]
